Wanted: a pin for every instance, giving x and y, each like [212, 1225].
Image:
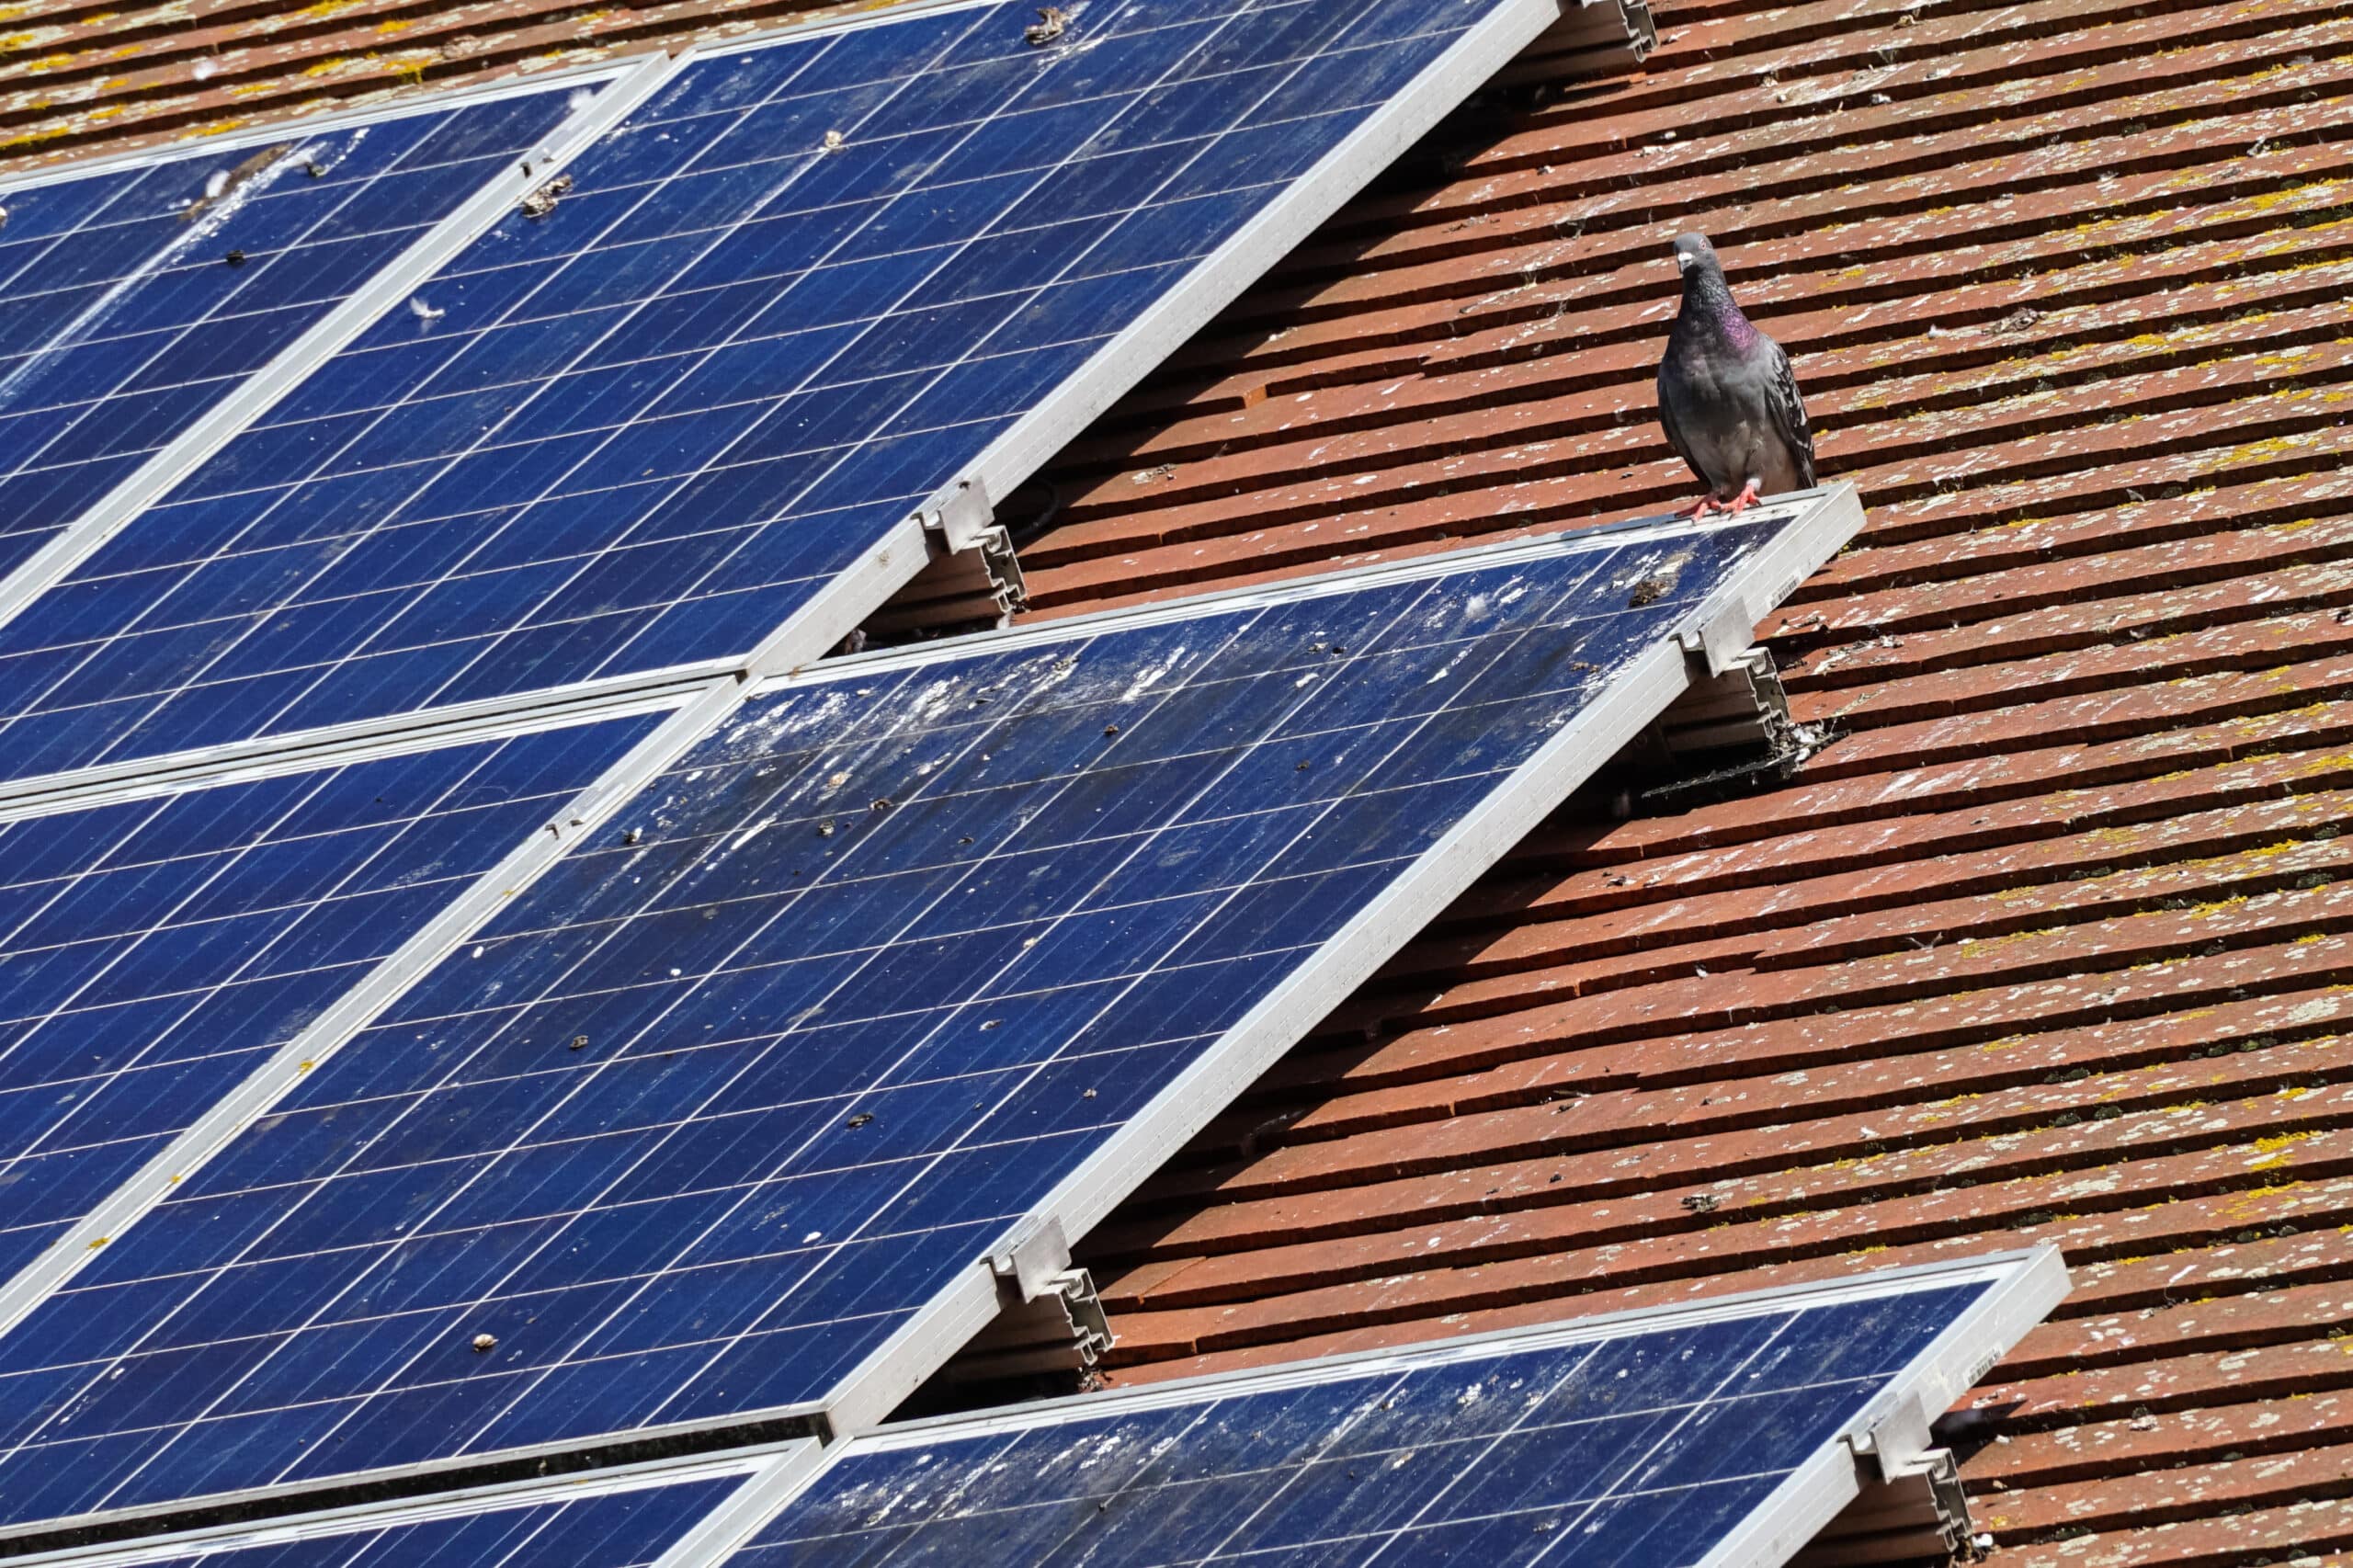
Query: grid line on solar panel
[140, 295]
[651, 425]
[1663, 1437]
[699, 1122]
[156, 952]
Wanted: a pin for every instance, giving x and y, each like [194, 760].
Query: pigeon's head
[1693, 251]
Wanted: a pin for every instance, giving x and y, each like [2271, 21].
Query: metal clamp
[962, 517]
[1046, 1298]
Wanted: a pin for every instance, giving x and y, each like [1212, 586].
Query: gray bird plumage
[1726, 395]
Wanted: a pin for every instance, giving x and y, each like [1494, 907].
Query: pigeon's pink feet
[1707, 504]
[1743, 501]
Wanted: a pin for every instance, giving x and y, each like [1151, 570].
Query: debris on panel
[226, 182]
[1048, 27]
[541, 202]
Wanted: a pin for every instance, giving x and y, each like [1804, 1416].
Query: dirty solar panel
[649, 426]
[153, 953]
[726, 1097]
[569, 1529]
[1642, 1447]
[134, 298]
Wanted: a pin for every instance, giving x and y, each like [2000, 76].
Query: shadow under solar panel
[715, 1121]
[685, 417]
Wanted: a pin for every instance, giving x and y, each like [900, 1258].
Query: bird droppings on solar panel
[1048, 27]
[425, 314]
[542, 201]
[484, 1344]
[833, 142]
[223, 182]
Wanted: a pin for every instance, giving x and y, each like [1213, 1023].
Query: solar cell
[715, 1120]
[134, 297]
[1656, 1439]
[626, 1520]
[152, 952]
[699, 397]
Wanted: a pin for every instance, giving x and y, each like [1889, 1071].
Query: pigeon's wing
[1788, 412]
[1667, 398]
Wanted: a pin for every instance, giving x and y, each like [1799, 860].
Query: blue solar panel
[609, 1524]
[1646, 1443]
[804, 287]
[132, 299]
[726, 1098]
[153, 953]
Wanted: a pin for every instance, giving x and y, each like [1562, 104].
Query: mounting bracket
[1719, 644]
[973, 576]
[1735, 704]
[1049, 1320]
[962, 517]
[1910, 1508]
[1593, 37]
[1895, 1438]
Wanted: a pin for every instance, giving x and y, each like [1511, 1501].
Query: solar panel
[136, 296]
[634, 1518]
[715, 1121]
[156, 952]
[1724, 1433]
[688, 412]
[1718, 1434]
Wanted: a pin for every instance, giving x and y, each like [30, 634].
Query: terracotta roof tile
[76, 79]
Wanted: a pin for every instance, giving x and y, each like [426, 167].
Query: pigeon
[1726, 395]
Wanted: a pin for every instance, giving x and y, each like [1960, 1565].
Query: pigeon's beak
[1682, 263]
